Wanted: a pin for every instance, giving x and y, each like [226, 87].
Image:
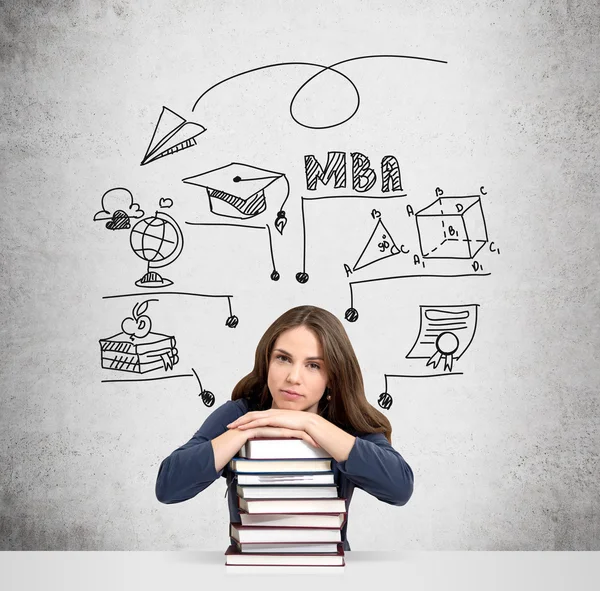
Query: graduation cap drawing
[171, 134]
[236, 190]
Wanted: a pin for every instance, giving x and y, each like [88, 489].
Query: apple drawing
[138, 325]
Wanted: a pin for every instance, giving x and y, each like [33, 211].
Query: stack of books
[290, 511]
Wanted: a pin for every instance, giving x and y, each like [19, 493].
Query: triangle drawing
[171, 134]
[380, 246]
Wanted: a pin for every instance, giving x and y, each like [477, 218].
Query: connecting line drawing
[389, 248]
[323, 69]
[275, 276]
[136, 349]
[231, 322]
[445, 333]
[452, 227]
[385, 399]
[207, 397]
[351, 314]
[117, 209]
[171, 134]
[153, 379]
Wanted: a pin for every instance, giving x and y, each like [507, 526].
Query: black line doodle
[452, 227]
[161, 293]
[120, 221]
[118, 208]
[231, 322]
[281, 219]
[445, 333]
[362, 174]
[207, 397]
[379, 246]
[275, 276]
[136, 349]
[302, 277]
[385, 399]
[158, 240]
[351, 314]
[323, 69]
[165, 202]
[152, 379]
[171, 134]
[336, 167]
[220, 225]
[237, 190]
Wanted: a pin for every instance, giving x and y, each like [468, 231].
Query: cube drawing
[452, 228]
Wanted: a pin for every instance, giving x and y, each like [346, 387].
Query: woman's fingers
[303, 435]
[253, 424]
[309, 439]
[247, 418]
[282, 432]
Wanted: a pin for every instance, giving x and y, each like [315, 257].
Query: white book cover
[289, 548]
[244, 534]
[269, 448]
[292, 505]
[286, 479]
[292, 466]
[293, 520]
[284, 492]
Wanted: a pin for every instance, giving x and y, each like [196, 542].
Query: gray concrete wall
[505, 454]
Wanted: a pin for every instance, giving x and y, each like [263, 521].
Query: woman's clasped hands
[275, 423]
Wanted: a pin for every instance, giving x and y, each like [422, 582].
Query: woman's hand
[296, 420]
[279, 432]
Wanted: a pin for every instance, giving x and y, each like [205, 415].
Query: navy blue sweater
[373, 465]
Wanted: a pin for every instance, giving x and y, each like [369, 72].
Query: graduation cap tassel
[281, 221]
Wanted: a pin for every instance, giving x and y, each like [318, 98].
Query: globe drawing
[158, 240]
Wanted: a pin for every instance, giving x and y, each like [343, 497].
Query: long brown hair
[348, 407]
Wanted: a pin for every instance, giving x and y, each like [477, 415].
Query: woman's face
[297, 374]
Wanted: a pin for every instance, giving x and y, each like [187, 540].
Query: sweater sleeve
[377, 468]
[191, 468]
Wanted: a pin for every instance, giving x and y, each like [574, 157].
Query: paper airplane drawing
[171, 134]
[236, 190]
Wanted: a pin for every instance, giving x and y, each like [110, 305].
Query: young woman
[306, 383]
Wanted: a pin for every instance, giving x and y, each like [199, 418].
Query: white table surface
[185, 570]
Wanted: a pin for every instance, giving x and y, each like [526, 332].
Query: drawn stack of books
[290, 511]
